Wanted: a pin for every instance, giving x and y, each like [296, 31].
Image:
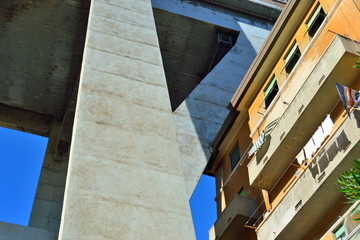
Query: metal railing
[261, 210]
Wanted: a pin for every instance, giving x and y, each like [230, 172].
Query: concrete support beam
[201, 115]
[47, 206]
[125, 179]
[10, 231]
[267, 9]
[252, 28]
[211, 14]
[25, 120]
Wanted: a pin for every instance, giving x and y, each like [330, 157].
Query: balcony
[303, 115]
[315, 191]
[230, 224]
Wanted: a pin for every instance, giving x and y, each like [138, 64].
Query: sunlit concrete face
[125, 177]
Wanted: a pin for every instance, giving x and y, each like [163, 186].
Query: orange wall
[344, 21]
[239, 177]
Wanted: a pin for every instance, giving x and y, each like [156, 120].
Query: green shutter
[291, 54]
[242, 192]
[340, 232]
[313, 17]
[270, 87]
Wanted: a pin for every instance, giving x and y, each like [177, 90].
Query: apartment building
[287, 137]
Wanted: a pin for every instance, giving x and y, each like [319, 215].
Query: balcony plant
[357, 63]
[349, 183]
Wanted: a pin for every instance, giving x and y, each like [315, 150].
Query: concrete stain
[16, 8]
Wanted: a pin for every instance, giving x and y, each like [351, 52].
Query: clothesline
[315, 141]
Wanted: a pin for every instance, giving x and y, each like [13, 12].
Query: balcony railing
[229, 224]
[334, 155]
[301, 162]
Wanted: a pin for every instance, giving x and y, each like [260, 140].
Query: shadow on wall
[263, 150]
[321, 162]
[208, 101]
[201, 115]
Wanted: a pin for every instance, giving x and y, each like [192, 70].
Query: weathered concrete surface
[268, 9]
[10, 231]
[125, 179]
[42, 43]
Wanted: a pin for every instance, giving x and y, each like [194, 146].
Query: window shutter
[270, 87]
[291, 54]
[313, 17]
[340, 232]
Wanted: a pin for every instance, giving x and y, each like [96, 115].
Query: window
[292, 58]
[270, 92]
[316, 19]
[234, 156]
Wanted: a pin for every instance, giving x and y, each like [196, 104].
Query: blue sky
[21, 157]
[203, 207]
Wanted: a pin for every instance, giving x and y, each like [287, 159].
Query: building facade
[130, 94]
[287, 138]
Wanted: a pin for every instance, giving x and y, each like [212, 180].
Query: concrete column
[125, 178]
[46, 210]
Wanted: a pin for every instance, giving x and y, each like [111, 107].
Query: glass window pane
[234, 156]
